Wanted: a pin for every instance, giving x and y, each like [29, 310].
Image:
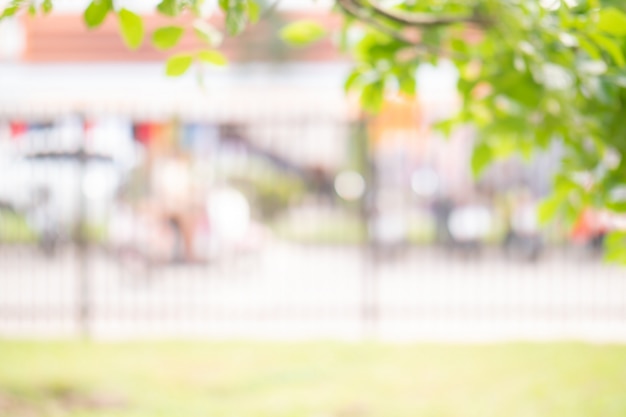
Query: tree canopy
[531, 73]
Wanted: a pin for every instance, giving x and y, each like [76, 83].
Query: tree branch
[351, 9]
[421, 19]
[356, 11]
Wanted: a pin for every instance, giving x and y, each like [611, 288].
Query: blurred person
[173, 193]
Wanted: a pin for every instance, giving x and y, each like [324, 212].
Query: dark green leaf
[131, 28]
[167, 37]
[302, 33]
[177, 65]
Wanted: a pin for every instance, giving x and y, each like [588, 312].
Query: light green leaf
[481, 158]
[612, 21]
[254, 11]
[611, 47]
[11, 9]
[302, 33]
[445, 126]
[167, 37]
[236, 16]
[169, 8]
[213, 57]
[408, 84]
[548, 209]
[46, 6]
[207, 33]
[589, 47]
[131, 27]
[352, 80]
[372, 96]
[615, 247]
[96, 12]
[177, 65]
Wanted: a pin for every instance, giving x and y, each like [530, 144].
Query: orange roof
[65, 38]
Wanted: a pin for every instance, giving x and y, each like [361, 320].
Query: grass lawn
[238, 379]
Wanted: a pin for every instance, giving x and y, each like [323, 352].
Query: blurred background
[259, 201]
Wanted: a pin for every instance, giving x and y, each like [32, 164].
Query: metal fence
[279, 229]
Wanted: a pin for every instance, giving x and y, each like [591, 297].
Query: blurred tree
[532, 72]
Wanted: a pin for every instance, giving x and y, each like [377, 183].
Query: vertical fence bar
[81, 239]
[369, 278]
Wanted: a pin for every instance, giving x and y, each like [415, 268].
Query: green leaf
[236, 16]
[131, 27]
[207, 33]
[548, 209]
[254, 11]
[589, 47]
[352, 80]
[46, 6]
[96, 12]
[372, 96]
[169, 8]
[213, 57]
[611, 47]
[407, 84]
[615, 247]
[11, 9]
[302, 33]
[167, 37]
[481, 158]
[612, 21]
[32, 10]
[445, 126]
[177, 65]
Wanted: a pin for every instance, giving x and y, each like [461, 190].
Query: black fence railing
[224, 230]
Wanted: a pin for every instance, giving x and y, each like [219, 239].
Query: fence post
[81, 240]
[369, 278]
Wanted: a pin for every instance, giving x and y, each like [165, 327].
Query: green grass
[310, 380]
[15, 229]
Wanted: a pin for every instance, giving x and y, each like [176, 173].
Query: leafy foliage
[96, 12]
[131, 28]
[213, 58]
[531, 74]
[167, 37]
[178, 64]
[302, 33]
